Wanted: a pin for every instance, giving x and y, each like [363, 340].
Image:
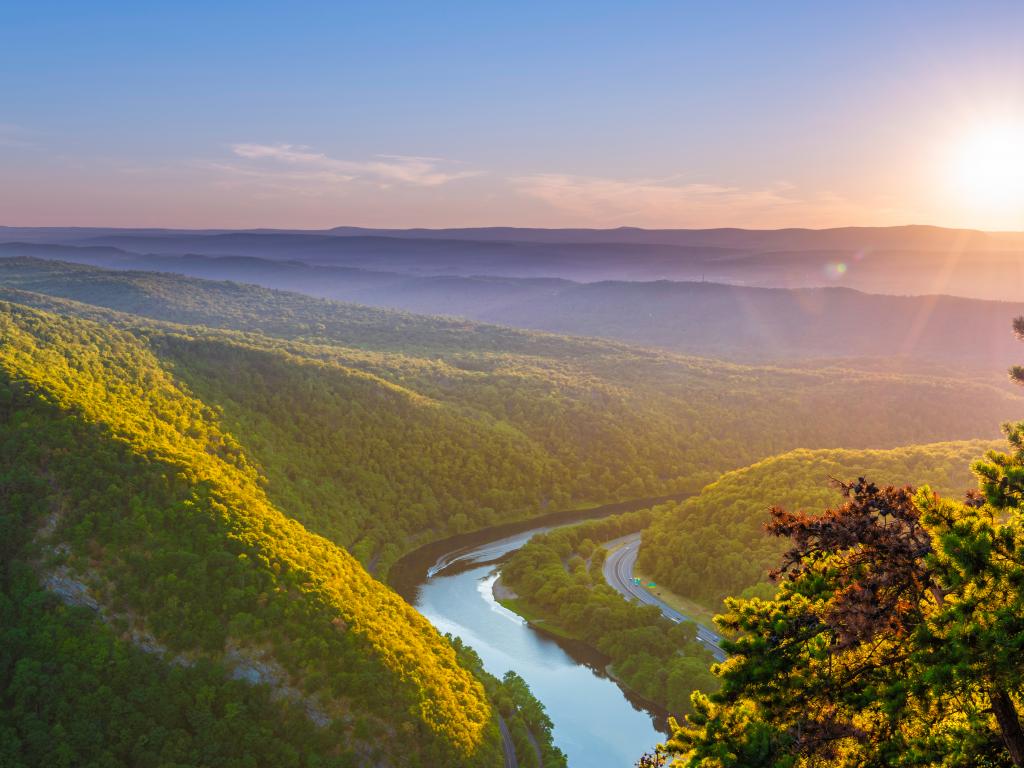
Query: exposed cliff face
[255, 666]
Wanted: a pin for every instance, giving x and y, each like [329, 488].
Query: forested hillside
[893, 639]
[714, 545]
[123, 494]
[194, 465]
[383, 430]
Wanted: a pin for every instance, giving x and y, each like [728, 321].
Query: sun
[989, 168]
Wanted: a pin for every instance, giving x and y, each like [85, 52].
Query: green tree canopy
[895, 638]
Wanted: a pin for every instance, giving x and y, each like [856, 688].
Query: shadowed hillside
[156, 518]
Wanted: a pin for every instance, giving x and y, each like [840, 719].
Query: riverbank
[560, 586]
[412, 569]
[536, 620]
[597, 722]
[600, 719]
[507, 597]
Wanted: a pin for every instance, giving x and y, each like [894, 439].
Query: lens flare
[836, 270]
[989, 167]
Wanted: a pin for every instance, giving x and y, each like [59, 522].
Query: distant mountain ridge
[913, 236]
[708, 319]
[911, 260]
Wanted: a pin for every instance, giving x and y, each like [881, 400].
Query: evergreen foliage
[714, 545]
[895, 638]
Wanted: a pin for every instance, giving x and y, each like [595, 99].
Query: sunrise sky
[440, 114]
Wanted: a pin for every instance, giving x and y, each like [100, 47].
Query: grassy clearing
[697, 611]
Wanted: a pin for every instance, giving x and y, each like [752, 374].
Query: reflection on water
[595, 724]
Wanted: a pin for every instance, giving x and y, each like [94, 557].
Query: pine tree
[895, 638]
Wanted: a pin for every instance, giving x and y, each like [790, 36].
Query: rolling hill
[198, 475]
[125, 497]
[714, 544]
[384, 430]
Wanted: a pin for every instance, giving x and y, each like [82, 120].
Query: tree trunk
[1009, 724]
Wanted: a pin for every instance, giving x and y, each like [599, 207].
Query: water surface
[595, 723]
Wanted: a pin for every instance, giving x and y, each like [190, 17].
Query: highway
[618, 572]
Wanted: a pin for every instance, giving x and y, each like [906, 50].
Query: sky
[439, 114]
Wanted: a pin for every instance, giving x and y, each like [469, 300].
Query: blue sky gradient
[442, 114]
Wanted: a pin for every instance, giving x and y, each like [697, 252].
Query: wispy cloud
[672, 201]
[268, 172]
[293, 163]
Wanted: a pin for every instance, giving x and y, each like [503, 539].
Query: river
[596, 724]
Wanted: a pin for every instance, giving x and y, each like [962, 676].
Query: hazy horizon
[500, 226]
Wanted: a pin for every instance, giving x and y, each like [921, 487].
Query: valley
[308, 453]
[512, 385]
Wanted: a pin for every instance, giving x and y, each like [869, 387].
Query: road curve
[618, 572]
[507, 746]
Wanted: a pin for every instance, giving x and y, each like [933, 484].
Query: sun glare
[989, 168]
